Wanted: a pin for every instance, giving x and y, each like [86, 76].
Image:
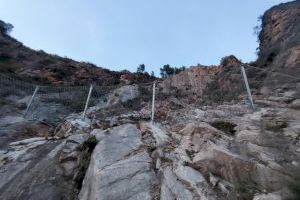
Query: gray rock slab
[119, 168]
[171, 186]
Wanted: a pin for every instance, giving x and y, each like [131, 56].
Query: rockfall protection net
[60, 101]
[266, 84]
[11, 86]
[54, 102]
[63, 101]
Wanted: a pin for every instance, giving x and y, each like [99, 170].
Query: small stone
[295, 104]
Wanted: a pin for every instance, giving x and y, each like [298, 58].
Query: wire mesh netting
[267, 83]
[63, 101]
[13, 90]
[11, 86]
[59, 101]
[209, 89]
[204, 89]
[49, 102]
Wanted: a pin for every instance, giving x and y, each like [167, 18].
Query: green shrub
[6, 68]
[245, 191]
[294, 186]
[90, 143]
[275, 126]
[106, 125]
[5, 28]
[190, 153]
[3, 102]
[226, 127]
[4, 57]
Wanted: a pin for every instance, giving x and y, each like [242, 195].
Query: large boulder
[73, 125]
[172, 188]
[191, 81]
[295, 104]
[123, 94]
[71, 155]
[119, 167]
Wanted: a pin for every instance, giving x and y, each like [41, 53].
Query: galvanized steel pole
[31, 100]
[87, 102]
[153, 102]
[247, 87]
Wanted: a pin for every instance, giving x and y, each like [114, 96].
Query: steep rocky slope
[223, 151]
[279, 37]
[52, 69]
[279, 49]
[277, 66]
[210, 84]
[205, 143]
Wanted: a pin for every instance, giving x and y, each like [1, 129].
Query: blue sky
[121, 34]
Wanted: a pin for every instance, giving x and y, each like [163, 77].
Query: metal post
[153, 103]
[87, 102]
[31, 100]
[247, 87]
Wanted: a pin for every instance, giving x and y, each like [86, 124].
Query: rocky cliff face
[207, 83]
[279, 49]
[280, 35]
[193, 80]
[278, 63]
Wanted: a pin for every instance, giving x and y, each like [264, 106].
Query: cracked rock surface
[119, 167]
